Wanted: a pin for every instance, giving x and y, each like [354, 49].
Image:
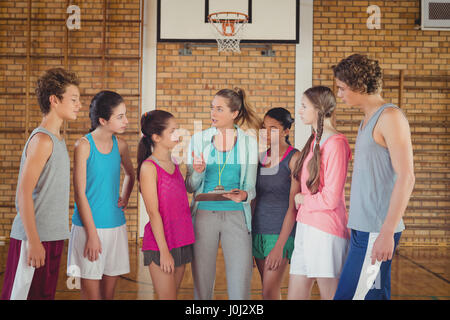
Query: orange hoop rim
[227, 20]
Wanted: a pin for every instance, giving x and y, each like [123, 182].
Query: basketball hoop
[228, 27]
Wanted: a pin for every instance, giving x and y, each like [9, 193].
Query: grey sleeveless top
[50, 196]
[373, 180]
[273, 186]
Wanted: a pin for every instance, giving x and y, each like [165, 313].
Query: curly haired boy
[42, 196]
[382, 181]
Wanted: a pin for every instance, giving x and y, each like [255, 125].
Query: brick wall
[340, 30]
[185, 85]
[111, 63]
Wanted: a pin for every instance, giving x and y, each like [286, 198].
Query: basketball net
[228, 27]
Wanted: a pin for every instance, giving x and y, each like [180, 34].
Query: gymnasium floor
[418, 273]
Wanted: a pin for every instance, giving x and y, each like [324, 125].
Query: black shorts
[181, 255]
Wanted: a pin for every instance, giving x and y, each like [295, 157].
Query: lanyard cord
[226, 160]
[225, 163]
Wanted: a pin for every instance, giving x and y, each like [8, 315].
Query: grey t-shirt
[273, 187]
[50, 196]
[373, 180]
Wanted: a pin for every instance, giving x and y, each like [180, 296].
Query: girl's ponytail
[297, 173]
[145, 149]
[314, 165]
[247, 114]
[238, 101]
[153, 122]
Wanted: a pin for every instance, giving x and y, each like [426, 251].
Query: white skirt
[318, 254]
[113, 261]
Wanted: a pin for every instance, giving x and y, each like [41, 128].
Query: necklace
[224, 164]
[219, 186]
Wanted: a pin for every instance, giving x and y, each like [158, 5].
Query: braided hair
[324, 101]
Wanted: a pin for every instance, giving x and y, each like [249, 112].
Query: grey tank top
[273, 186]
[373, 180]
[50, 196]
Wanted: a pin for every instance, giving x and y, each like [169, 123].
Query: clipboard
[214, 196]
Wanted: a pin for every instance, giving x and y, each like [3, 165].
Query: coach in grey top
[50, 196]
[373, 180]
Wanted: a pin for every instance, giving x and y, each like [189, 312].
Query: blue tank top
[102, 187]
[373, 180]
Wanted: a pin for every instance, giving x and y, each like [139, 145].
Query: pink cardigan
[326, 209]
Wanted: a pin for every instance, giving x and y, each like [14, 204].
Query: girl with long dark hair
[98, 244]
[169, 234]
[274, 215]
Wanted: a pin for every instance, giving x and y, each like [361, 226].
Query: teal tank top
[230, 178]
[103, 187]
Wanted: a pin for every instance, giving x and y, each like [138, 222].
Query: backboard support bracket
[186, 49]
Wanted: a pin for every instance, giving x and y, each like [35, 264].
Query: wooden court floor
[418, 273]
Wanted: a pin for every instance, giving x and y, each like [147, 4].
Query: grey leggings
[230, 229]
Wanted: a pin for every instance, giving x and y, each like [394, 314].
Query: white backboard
[274, 21]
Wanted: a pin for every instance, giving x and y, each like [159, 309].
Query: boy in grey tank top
[382, 181]
[42, 196]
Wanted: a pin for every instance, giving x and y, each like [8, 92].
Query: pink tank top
[174, 210]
